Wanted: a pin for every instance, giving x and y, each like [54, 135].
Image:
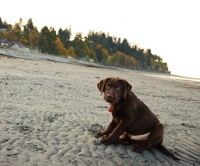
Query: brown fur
[130, 117]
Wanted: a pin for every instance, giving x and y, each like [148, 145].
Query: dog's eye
[107, 87]
[117, 88]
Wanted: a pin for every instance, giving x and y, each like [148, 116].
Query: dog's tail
[162, 149]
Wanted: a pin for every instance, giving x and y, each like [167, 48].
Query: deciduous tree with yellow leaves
[60, 47]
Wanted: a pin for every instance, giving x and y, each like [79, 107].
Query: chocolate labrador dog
[132, 122]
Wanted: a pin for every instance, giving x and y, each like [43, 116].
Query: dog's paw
[99, 134]
[137, 148]
[106, 140]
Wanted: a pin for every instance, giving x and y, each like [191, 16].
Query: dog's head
[114, 89]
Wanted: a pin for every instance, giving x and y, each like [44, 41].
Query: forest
[99, 46]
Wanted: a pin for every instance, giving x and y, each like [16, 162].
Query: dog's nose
[109, 95]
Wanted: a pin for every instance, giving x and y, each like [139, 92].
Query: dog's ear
[126, 88]
[101, 84]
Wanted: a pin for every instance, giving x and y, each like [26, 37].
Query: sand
[49, 113]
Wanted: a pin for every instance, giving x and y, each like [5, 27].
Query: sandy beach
[50, 111]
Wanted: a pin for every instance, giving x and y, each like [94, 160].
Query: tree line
[99, 46]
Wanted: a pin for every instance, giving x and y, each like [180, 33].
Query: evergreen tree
[46, 42]
[30, 32]
[65, 36]
[81, 48]
[1, 24]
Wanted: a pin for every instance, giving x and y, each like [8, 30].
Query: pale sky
[170, 28]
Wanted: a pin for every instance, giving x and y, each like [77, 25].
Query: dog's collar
[111, 107]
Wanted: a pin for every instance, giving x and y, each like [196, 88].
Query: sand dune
[50, 112]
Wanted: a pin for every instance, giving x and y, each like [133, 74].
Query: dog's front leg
[116, 133]
[109, 129]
